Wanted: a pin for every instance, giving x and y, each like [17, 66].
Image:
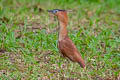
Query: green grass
[31, 54]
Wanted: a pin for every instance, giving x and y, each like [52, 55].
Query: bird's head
[61, 14]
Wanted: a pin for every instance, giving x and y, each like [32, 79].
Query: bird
[65, 45]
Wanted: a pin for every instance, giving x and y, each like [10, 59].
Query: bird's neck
[63, 30]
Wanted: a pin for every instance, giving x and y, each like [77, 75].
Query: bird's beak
[51, 11]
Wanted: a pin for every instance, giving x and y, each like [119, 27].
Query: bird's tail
[81, 62]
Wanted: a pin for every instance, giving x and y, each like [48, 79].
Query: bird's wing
[68, 49]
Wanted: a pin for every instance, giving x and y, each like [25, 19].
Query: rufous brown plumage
[65, 45]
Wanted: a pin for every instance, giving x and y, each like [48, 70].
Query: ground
[29, 35]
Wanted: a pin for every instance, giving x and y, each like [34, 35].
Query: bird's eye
[54, 11]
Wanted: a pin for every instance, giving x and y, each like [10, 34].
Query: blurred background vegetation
[28, 40]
